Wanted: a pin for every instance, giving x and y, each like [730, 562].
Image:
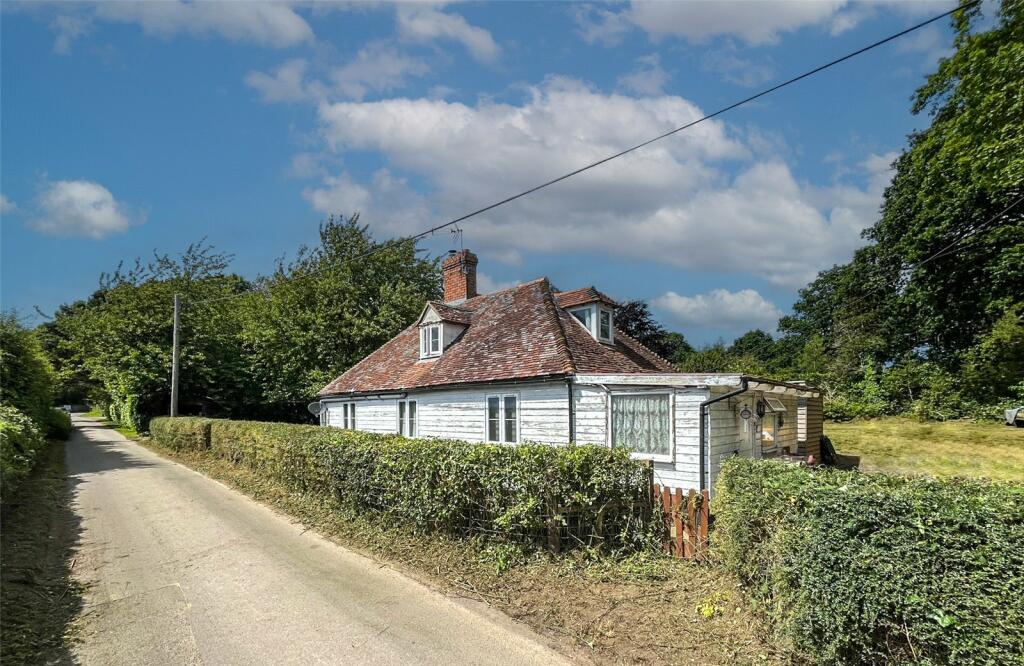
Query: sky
[133, 127]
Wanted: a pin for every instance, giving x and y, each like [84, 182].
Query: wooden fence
[686, 517]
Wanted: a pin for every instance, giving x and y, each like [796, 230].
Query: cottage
[534, 364]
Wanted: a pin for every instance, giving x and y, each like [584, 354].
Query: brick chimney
[459, 270]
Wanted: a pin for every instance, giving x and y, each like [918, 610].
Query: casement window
[586, 317]
[503, 418]
[430, 341]
[604, 331]
[348, 415]
[407, 418]
[642, 423]
[597, 320]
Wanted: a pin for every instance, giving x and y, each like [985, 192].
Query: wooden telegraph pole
[174, 356]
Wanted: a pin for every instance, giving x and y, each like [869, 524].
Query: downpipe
[703, 423]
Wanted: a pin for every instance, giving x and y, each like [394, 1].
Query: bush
[182, 433]
[857, 568]
[535, 495]
[21, 442]
[57, 424]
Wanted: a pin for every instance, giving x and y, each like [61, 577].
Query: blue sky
[129, 127]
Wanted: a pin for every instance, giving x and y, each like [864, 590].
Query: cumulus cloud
[420, 22]
[274, 24]
[648, 78]
[81, 208]
[703, 200]
[753, 21]
[6, 205]
[720, 309]
[285, 84]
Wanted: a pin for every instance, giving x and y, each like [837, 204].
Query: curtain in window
[640, 423]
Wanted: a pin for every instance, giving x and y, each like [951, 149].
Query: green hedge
[21, 443]
[528, 494]
[859, 568]
[182, 433]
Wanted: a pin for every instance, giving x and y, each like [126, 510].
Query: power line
[978, 229]
[725, 109]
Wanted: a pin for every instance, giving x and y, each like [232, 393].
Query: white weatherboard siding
[462, 414]
[590, 407]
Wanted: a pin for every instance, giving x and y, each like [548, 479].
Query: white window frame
[427, 349]
[638, 455]
[348, 416]
[402, 414]
[601, 312]
[501, 418]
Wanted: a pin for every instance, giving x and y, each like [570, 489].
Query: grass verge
[644, 609]
[948, 448]
[38, 596]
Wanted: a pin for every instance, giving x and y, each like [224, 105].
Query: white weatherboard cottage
[532, 364]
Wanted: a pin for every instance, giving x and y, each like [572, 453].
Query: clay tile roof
[517, 333]
[451, 313]
[568, 299]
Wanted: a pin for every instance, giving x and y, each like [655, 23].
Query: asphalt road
[183, 570]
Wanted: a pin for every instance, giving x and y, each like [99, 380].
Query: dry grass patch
[946, 448]
[643, 609]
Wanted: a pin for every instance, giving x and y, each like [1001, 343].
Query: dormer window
[430, 341]
[597, 319]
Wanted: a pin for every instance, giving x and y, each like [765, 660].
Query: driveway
[183, 570]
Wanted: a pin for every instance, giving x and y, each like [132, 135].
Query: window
[641, 422]
[605, 330]
[348, 415]
[407, 418]
[502, 418]
[586, 317]
[430, 341]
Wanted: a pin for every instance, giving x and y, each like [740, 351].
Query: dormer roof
[448, 313]
[584, 296]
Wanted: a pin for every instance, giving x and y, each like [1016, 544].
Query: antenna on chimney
[457, 236]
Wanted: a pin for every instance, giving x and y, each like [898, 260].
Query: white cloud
[753, 21]
[648, 78]
[286, 84]
[704, 199]
[6, 205]
[81, 208]
[720, 309]
[378, 67]
[738, 70]
[339, 194]
[68, 29]
[269, 24]
[418, 22]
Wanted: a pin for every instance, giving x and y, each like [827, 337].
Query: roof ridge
[647, 349]
[563, 339]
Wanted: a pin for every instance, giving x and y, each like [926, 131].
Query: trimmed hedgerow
[182, 433]
[859, 568]
[537, 495]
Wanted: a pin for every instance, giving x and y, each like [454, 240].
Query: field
[949, 448]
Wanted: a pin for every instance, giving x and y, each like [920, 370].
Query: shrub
[21, 442]
[57, 424]
[857, 568]
[182, 433]
[527, 494]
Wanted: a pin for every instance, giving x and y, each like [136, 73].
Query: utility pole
[174, 356]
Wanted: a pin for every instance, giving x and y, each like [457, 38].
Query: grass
[127, 431]
[95, 413]
[938, 448]
[644, 609]
[38, 596]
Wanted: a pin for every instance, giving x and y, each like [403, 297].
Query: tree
[634, 318]
[26, 377]
[320, 314]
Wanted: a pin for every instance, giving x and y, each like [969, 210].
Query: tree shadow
[39, 596]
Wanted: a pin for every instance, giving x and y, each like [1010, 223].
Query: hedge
[529, 494]
[21, 442]
[857, 568]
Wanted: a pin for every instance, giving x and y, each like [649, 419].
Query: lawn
[947, 448]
